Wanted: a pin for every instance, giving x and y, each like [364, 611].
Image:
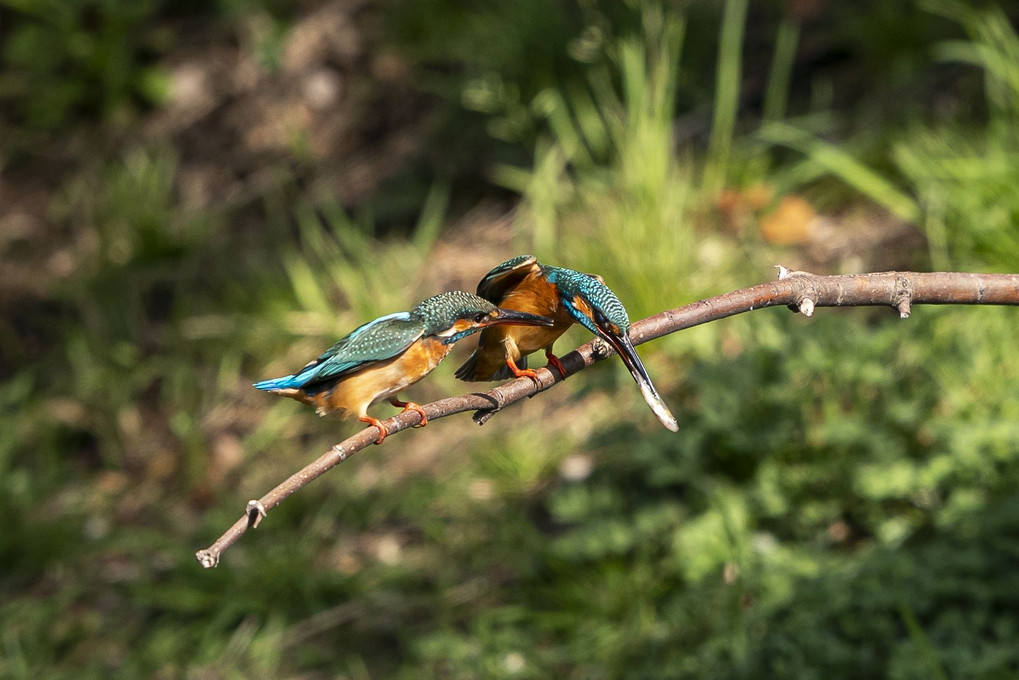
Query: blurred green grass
[839, 501]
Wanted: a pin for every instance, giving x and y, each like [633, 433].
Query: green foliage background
[839, 502]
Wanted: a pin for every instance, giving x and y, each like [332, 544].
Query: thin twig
[800, 291]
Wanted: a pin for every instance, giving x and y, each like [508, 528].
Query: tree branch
[800, 291]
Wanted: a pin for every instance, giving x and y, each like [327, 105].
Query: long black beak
[623, 347]
[512, 317]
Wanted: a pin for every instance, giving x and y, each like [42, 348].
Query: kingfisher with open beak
[379, 359]
[566, 297]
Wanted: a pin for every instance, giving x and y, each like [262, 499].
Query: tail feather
[286, 382]
[469, 371]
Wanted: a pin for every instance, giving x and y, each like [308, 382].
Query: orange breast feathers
[353, 394]
[534, 295]
[580, 304]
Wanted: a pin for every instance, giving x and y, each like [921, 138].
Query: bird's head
[454, 315]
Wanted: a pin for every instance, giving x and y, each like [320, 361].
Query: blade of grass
[841, 164]
[776, 96]
[727, 90]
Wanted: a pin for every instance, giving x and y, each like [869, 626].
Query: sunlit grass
[727, 91]
[954, 182]
[608, 194]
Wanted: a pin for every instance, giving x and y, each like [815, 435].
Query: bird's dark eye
[478, 318]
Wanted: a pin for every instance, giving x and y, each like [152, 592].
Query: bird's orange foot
[522, 372]
[553, 360]
[411, 406]
[383, 430]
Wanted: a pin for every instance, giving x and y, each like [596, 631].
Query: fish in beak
[621, 343]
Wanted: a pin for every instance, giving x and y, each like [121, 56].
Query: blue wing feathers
[377, 340]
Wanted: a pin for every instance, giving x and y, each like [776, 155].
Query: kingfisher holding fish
[565, 297]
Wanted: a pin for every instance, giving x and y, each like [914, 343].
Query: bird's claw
[523, 372]
[383, 430]
[411, 406]
[553, 360]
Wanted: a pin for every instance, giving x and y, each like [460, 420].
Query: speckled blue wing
[378, 340]
[506, 276]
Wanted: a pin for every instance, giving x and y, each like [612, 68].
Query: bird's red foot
[383, 430]
[553, 360]
[522, 372]
[411, 406]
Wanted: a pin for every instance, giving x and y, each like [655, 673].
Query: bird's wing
[378, 340]
[506, 276]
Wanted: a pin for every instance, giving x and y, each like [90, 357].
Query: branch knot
[903, 296]
[808, 294]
